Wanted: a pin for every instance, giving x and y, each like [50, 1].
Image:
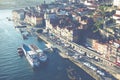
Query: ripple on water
[3, 76]
[15, 73]
[14, 66]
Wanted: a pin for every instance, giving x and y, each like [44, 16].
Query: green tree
[102, 11]
[97, 26]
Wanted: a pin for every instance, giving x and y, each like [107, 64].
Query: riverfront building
[62, 27]
[60, 22]
[34, 19]
[116, 16]
[116, 3]
[18, 15]
[33, 16]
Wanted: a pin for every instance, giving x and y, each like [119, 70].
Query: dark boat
[20, 26]
[72, 74]
[20, 51]
[24, 36]
[9, 19]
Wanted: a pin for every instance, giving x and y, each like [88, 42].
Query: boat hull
[42, 56]
[33, 62]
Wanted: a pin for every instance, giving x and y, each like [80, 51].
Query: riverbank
[87, 70]
[63, 54]
[111, 72]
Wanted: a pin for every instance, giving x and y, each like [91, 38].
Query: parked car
[93, 68]
[100, 72]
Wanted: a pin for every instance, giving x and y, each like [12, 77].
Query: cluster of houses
[33, 16]
[70, 20]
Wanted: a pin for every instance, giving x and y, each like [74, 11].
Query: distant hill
[7, 4]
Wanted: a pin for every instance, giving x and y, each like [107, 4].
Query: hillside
[7, 4]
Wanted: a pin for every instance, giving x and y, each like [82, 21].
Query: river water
[13, 67]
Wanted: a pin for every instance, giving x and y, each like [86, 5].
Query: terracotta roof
[118, 41]
[118, 9]
[117, 15]
[118, 19]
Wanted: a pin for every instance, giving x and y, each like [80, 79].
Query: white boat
[49, 48]
[31, 56]
[41, 55]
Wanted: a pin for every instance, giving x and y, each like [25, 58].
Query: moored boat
[72, 74]
[20, 51]
[31, 56]
[24, 36]
[42, 56]
[49, 48]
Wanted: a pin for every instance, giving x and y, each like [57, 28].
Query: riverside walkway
[64, 55]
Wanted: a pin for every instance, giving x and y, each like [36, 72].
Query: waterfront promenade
[63, 52]
[111, 70]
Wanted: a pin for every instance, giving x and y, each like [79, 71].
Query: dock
[113, 71]
[64, 55]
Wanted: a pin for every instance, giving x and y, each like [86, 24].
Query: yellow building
[34, 18]
[18, 15]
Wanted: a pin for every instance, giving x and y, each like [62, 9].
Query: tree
[103, 11]
[97, 26]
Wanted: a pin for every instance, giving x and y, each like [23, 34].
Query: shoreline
[11, 8]
[80, 65]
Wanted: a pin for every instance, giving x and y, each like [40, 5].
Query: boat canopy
[39, 51]
[26, 47]
[31, 53]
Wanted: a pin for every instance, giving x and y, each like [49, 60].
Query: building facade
[18, 15]
[116, 16]
[61, 29]
[116, 3]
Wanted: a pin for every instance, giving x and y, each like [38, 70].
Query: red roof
[118, 41]
[117, 15]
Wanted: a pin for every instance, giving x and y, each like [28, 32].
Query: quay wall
[62, 54]
[86, 69]
[43, 38]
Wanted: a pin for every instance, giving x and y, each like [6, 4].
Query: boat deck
[34, 47]
[26, 48]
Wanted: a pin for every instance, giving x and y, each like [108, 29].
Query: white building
[117, 16]
[74, 1]
[18, 15]
[116, 3]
